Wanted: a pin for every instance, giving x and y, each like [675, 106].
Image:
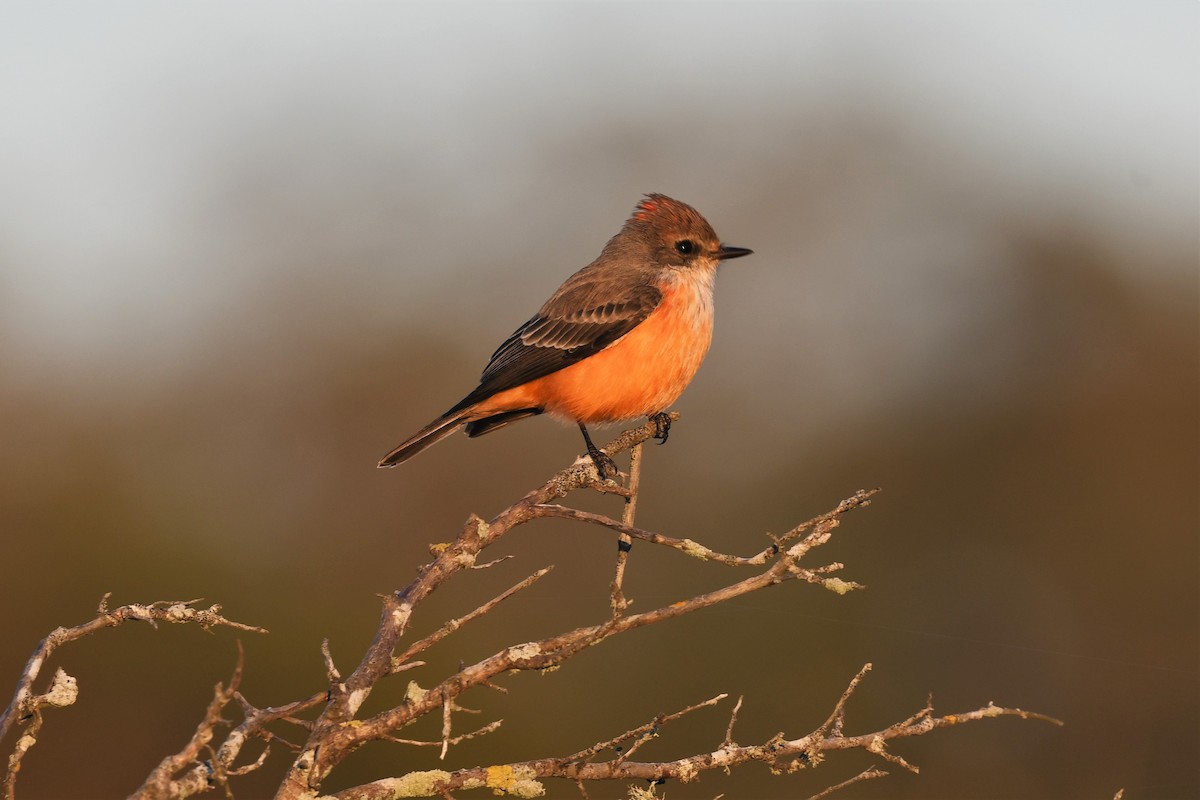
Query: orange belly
[643, 373]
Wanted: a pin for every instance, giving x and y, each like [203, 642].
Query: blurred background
[245, 249]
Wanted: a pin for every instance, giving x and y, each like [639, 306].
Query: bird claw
[605, 467]
[662, 426]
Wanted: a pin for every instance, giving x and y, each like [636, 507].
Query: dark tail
[479, 427]
[447, 424]
[428, 436]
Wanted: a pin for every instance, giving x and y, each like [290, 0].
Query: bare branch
[175, 611]
[26, 705]
[63, 692]
[255, 723]
[338, 730]
[781, 754]
[329, 742]
[554, 650]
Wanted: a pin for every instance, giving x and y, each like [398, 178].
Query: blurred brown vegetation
[1021, 380]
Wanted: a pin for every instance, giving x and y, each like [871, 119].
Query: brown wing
[576, 323]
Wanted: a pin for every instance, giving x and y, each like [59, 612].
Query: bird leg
[662, 426]
[605, 466]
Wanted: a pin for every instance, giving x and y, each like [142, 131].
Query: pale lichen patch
[178, 612]
[480, 526]
[414, 693]
[63, 690]
[414, 784]
[524, 651]
[837, 585]
[356, 699]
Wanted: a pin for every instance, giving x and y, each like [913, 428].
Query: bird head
[675, 235]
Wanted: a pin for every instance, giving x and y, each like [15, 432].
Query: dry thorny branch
[208, 761]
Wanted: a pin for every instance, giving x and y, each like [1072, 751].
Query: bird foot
[605, 466]
[662, 426]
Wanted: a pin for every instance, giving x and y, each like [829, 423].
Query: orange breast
[643, 373]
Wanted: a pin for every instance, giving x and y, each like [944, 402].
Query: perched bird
[621, 338]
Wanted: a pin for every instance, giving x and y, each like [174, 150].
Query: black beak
[728, 251]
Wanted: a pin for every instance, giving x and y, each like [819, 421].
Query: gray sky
[129, 128]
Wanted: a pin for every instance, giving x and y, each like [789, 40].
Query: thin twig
[486, 729]
[687, 546]
[584, 755]
[732, 720]
[445, 728]
[331, 671]
[694, 548]
[400, 662]
[618, 602]
[866, 775]
[837, 717]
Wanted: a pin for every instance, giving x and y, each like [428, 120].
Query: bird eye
[685, 246]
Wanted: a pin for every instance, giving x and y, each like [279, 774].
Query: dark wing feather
[573, 325]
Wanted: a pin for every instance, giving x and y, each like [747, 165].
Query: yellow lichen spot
[515, 781]
[688, 772]
[678, 604]
[837, 585]
[500, 777]
[439, 548]
[695, 549]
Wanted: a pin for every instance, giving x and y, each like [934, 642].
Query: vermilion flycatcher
[621, 338]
